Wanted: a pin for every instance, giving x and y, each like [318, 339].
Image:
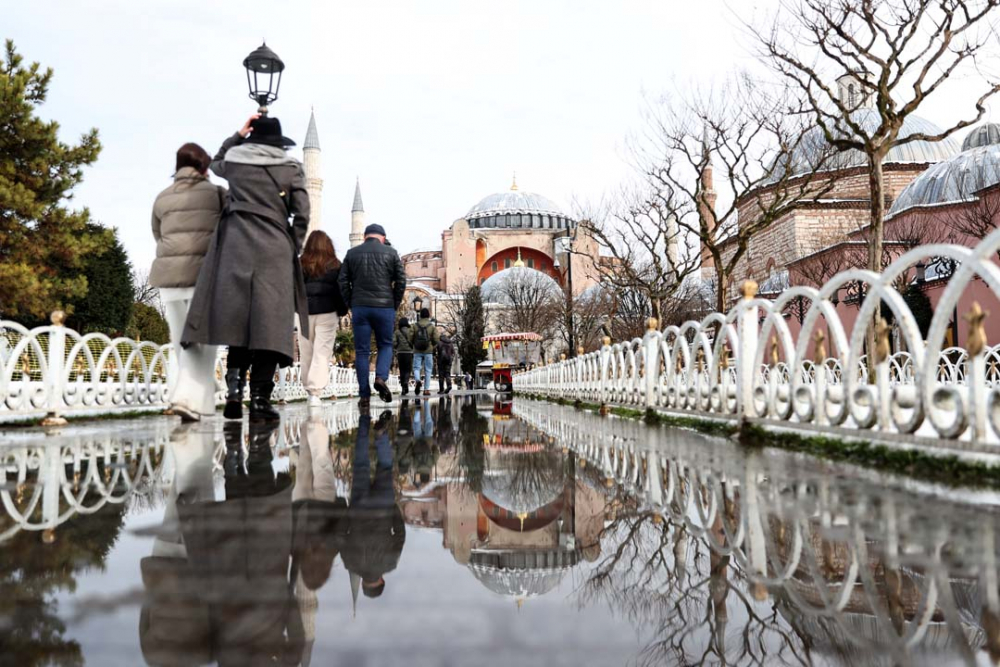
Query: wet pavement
[471, 531]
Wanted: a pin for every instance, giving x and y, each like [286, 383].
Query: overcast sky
[432, 104]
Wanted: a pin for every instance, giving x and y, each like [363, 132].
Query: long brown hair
[318, 256]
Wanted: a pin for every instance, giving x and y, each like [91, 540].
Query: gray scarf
[261, 155]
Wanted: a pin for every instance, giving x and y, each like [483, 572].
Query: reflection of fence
[49, 479]
[746, 364]
[884, 571]
[55, 370]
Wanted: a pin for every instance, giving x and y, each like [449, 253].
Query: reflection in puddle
[236, 544]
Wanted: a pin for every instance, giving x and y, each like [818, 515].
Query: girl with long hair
[321, 268]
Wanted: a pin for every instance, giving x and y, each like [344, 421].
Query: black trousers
[262, 365]
[405, 363]
[444, 374]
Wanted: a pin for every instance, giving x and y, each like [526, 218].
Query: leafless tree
[144, 292]
[527, 301]
[898, 53]
[753, 141]
[975, 220]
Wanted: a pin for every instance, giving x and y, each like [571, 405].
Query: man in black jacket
[372, 282]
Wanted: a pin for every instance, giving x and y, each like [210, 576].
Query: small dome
[499, 287]
[982, 135]
[813, 146]
[954, 180]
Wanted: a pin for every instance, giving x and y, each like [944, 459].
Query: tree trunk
[721, 291]
[877, 209]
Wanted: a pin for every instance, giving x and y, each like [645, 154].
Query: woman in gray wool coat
[250, 286]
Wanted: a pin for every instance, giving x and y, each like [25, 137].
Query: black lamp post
[264, 69]
[417, 305]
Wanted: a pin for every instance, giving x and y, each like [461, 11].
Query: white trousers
[316, 351]
[195, 386]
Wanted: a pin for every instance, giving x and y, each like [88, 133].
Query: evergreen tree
[147, 324]
[107, 306]
[43, 243]
[472, 328]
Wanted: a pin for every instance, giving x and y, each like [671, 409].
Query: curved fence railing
[747, 364]
[54, 370]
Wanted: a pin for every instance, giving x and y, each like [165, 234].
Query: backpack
[422, 338]
[446, 349]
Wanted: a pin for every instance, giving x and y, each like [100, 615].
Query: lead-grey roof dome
[954, 180]
[513, 201]
[813, 145]
[499, 287]
[982, 135]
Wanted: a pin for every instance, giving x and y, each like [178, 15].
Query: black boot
[235, 379]
[262, 386]
[261, 408]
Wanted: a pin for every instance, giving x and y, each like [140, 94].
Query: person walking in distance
[250, 286]
[321, 269]
[185, 216]
[424, 337]
[445, 358]
[372, 282]
[404, 354]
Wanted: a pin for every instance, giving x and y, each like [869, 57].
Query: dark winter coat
[401, 342]
[372, 275]
[250, 287]
[323, 293]
[185, 216]
[445, 350]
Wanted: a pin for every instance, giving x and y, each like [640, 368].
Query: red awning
[529, 336]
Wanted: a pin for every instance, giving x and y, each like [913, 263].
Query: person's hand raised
[246, 129]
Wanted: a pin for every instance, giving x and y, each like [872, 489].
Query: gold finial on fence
[882, 348]
[607, 341]
[724, 357]
[562, 357]
[819, 352]
[774, 350]
[652, 324]
[580, 351]
[701, 360]
[749, 289]
[57, 317]
[976, 317]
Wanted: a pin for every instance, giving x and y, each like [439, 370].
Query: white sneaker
[315, 402]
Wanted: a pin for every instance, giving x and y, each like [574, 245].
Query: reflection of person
[250, 287]
[226, 597]
[185, 216]
[374, 532]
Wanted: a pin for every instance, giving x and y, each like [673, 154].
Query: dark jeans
[444, 373]
[366, 320]
[262, 365]
[405, 361]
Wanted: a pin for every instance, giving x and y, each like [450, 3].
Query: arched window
[506, 263]
[494, 266]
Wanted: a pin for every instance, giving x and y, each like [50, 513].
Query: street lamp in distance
[418, 303]
[263, 67]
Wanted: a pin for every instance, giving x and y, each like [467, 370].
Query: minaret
[706, 208]
[311, 161]
[357, 217]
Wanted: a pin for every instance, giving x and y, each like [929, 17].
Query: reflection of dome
[982, 135]
[499, 287]
[516, 209]
[523, 483]
[521, 574]
[813, 146]
[954, 180]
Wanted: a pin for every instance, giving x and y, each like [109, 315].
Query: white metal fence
[54, 371]
[747, 364]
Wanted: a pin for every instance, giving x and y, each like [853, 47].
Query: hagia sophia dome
[959, 177]
[515, 209]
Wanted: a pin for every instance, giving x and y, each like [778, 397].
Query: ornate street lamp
[417, 304]
[263, 67]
